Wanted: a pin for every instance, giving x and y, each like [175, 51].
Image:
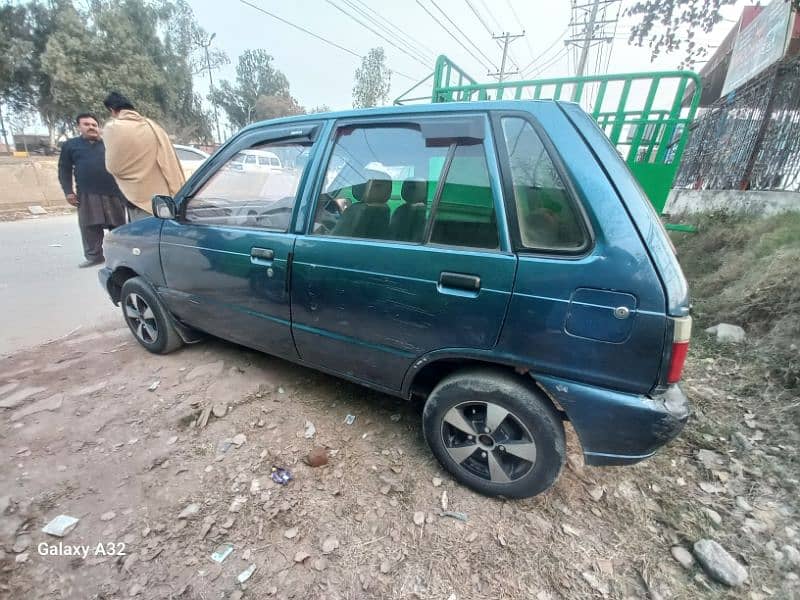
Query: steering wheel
[327, 202]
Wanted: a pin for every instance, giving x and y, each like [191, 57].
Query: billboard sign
[760, 44]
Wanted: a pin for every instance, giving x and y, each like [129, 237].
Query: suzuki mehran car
[496, 259]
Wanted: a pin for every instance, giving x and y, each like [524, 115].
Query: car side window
[379, 184]
[240, 194]
[381, 181]
[548, 217]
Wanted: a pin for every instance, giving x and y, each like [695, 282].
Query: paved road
[43, 294]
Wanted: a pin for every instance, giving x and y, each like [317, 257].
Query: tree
[321, 108]
[671, 25]
[67, 68]
[255, 77]
[142, 49]
[272, 107]
[16, 46]
[373, 79]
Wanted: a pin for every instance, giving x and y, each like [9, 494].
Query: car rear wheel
[494, 433]
[147, 318]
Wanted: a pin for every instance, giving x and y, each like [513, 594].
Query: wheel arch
[118, 278]
[429, 370]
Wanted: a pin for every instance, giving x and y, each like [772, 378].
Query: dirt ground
[127, 461]
[94, 427]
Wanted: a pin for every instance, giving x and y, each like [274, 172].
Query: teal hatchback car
[495, 259]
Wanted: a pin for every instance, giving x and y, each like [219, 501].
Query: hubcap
[488, 441]
[141, 319]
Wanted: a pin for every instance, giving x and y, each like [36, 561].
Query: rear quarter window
[548, 217]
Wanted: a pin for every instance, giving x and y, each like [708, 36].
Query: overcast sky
[321, 74]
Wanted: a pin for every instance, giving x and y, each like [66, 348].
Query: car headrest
[358, 190]
[377, 191]
[415, 191]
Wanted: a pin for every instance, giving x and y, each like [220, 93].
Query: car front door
[403, 255]
[226, 257]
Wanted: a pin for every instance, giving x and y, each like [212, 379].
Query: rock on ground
[719, 564]
[52, 403]
[683, 556]
[727, 333]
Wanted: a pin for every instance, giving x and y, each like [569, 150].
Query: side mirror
[164, 207]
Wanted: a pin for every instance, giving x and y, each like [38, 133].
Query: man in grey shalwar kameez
[100, 203]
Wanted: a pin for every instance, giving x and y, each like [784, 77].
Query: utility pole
[588, 34]
[590, 26]
[507, 39]
[205, 47]
[3, 129]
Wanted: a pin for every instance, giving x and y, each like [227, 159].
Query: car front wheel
[147, 318]
[496, 434]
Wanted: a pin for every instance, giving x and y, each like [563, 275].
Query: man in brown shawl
[140, 156]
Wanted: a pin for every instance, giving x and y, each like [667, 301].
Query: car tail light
[680, 348]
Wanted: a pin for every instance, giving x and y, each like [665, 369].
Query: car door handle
[262, 254]
[460, 281]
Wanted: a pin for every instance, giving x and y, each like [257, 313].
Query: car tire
[147, 318]
[517, 447]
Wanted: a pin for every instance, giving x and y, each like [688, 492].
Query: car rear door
[406, 252]
[226, 258]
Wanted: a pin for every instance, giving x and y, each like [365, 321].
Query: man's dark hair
[86, 115]
[116, 101]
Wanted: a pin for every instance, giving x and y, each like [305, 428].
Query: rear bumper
[616, 428]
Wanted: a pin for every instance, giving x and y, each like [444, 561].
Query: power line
[387, 40]
[314, 35]
[491, 16]
[546, 50]
[551, 62]
[392, 29]
[462, 33]
[479, 17]
[319, 37]
[519, 22]
[400, 39]
[451, 34]
[488, 29]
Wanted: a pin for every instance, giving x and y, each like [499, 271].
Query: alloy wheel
[489, 441]
[141, 318]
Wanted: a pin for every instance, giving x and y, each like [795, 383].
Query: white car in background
[190, 158]
[256, 160]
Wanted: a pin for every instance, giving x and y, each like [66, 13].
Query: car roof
[417, 109]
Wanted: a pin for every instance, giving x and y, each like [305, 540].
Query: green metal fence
[643, 114]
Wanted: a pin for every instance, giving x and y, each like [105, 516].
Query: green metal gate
[643, 114]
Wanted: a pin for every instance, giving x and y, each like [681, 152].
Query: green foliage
[146, 50]
[273, 107]
[373, 79]
[16, 46]
[255, 77]
[671, 25]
